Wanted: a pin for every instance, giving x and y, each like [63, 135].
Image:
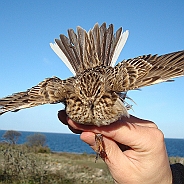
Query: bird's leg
[124, 96]
[100, 147]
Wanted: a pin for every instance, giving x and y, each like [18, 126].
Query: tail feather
[119, 46]
[83, 50]
[61, 55]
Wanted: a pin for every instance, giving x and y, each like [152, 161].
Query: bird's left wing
[51, 90]
[145, 70]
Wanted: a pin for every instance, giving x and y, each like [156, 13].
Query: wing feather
[49, 91]
[146, 70]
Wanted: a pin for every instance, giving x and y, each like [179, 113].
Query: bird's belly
[99, 115]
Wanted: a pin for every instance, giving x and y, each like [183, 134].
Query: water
[175, 147]
[59, 142]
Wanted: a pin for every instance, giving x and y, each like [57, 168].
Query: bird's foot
[100, 147]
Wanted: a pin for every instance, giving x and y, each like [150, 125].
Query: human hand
[146, 160]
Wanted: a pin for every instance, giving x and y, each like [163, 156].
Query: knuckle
[158, 134]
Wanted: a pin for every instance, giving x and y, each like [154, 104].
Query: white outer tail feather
[122, 40]
[62, 56]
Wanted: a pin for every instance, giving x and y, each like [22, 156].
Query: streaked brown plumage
[93, 95]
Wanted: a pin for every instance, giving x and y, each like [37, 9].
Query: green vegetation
[34, 163]
[36, 139]
[174, 160]
[11, 136]
[22, 164]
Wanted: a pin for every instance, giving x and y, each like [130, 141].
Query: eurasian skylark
[94, 95]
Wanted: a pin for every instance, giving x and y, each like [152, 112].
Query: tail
[81, 51]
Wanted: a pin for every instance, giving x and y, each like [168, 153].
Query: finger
[76, 131]
[126, 133]
[64, 119]
[89, 138]
[111, 148]
[131, 119]
[138, 121]
[62, 116]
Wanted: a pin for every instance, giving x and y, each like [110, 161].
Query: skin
[146, 159]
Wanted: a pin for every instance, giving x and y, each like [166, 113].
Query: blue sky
[27, 28]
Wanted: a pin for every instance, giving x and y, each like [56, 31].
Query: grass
[21, 164]
[174, 160]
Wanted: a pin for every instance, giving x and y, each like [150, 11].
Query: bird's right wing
[145, 70]
[51, 90]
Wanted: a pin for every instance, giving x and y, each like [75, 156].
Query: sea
[60, 142]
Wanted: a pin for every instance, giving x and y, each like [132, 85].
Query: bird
[96, 93]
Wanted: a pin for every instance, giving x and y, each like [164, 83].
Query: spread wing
[145, 70]
[83, 50]
[49, 91]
